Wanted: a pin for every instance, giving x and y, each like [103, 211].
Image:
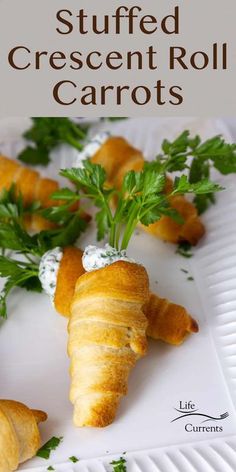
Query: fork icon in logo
[208, 417]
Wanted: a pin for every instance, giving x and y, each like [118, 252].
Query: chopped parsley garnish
[190, 278]
[115, 118]
[48, 447]
[73, 459]
[184, 249]
[50, 468]
[184, 270]
[119, 465]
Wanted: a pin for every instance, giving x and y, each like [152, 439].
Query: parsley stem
[117, 239]
[112, 235]
[130, 227]
[76, 144]
[78, 130]
[128, 234]
[27, 256]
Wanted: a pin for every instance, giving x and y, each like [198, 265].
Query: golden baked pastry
[70, 270]
[19, 434]
[167, 321]
[107, 335]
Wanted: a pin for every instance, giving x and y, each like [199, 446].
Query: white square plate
[34, 364]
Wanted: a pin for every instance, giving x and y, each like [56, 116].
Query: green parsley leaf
[17, 274]
[50, 467]
[202, 202]
[58, 214]
[119, 465]
[65, 194]
[73, 459]
[92, 176]
[190, 278]
[50, 446]
[63, 236]
[13, 236]
[12, 207]
[182, 186]
[34, 156]
[214, 152]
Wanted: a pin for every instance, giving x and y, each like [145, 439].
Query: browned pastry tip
[193, 326]
[40, 416]
[168, 321]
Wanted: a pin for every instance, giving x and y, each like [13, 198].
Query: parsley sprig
[19, 274]
[13, 235]
[46, 134]
[141, 198]
[12, 207]
[20, 267]
[214, 152]
[70, 225]
[19, 271]
[119, 465]
[50, 446]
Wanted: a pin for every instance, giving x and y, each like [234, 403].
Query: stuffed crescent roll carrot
[118, 157]
[107, 325]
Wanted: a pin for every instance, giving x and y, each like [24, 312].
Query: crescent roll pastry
[167, 321]
[19, 434]
[70, 269]
[118, 157]
[106, 337]
[32, 187]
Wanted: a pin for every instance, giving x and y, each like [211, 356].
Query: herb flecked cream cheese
[96, 257]
[48, 270]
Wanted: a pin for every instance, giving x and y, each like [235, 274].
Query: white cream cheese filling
[48, 270]
[96, 257]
